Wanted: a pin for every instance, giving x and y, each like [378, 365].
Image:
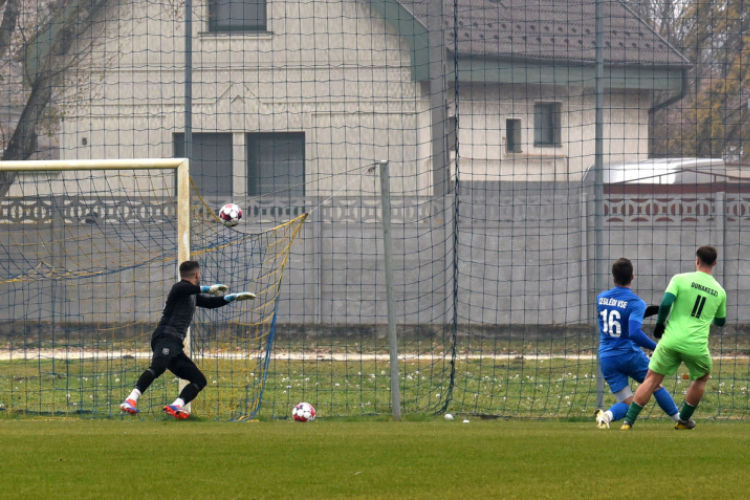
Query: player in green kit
[695, 300]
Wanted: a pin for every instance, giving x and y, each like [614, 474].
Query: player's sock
[189, 392]
[134, 395]
[687, 410]
[617, 412]
[666, 403]
[179, 402]
[632, 415]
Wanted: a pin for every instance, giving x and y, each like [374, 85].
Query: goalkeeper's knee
[199, 381]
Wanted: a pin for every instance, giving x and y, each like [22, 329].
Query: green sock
[687, 411]
[633, 412]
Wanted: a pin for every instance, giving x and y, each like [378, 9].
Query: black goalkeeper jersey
[180, 308]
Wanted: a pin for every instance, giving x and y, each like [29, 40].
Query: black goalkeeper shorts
[168, 354]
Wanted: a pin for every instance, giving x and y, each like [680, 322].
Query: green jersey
[699, 299]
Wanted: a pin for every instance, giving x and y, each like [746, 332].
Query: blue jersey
[620, 312]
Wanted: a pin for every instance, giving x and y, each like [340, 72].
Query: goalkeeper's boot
[684, 425]
[176, 411]
[626, 426]
[602, 421]
[129, 406]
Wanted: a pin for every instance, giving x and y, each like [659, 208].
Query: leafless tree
[52, 31]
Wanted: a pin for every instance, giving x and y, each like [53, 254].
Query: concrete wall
[525, 257]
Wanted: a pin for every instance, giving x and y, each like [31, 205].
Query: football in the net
[230, 214]
[304, 412]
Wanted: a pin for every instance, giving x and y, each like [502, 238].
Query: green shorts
[666, 361]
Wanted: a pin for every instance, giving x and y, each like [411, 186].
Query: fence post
[385, 195]
[721, 223]
[317, 224]
[600, 281]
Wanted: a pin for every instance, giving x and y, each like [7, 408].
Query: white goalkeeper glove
[239, 296]
[214, 289]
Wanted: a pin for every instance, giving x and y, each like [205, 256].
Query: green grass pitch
[516, 388]
[426, 459]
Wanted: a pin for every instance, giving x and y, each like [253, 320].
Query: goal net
[88, 253]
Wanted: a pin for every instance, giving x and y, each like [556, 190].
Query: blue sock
[665, 401]
[618, 411]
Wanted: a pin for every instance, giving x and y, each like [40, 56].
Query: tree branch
[8, 26]
[23, 143]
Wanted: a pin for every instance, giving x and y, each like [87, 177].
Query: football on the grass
[230, 214]
[304, 412]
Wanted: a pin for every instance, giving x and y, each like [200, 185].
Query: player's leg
[164, 351]
[696, 390]
[618, 384]
[641, 398]
[638, 371]
[184, 368]
[664, 361]
[699, 366]
[617, 411]
[666, 402]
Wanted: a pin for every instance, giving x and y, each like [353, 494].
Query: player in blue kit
[621, 313]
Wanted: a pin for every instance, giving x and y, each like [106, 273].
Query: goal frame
[180, 165]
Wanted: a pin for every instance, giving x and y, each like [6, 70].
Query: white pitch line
[82, 355]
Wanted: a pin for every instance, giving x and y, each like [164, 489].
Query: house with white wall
[288, 95]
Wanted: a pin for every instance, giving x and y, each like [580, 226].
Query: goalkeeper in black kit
[167, 339]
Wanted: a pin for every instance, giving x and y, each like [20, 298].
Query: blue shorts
[617, 368]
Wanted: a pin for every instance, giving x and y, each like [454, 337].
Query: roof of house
[548, 30]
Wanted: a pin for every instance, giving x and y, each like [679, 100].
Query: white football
[230, 214]
[303, 412]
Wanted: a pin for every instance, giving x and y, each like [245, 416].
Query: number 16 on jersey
[610, 322]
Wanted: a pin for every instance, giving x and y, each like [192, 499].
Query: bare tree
[52, 30]
[715, 120]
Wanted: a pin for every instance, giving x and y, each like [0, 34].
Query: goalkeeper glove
[214, 289]
[239, 296]
[651, 311]
[658, 331]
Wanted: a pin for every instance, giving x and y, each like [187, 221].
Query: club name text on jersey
[704, 289]
[621, 304]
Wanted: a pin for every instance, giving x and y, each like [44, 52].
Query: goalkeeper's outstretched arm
[214, 302]
[217, 289]
[210, 302]
[239, 296]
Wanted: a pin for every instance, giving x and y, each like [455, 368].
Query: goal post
[180, 166]
[88, 252]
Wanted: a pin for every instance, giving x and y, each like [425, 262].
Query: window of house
[513, 136]
[239, 15]
[210, 163]
[276, 163]
[547, 124]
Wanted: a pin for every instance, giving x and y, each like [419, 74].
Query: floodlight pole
[599, 268]
[385, 195]
[183, 175]
[188, 139]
